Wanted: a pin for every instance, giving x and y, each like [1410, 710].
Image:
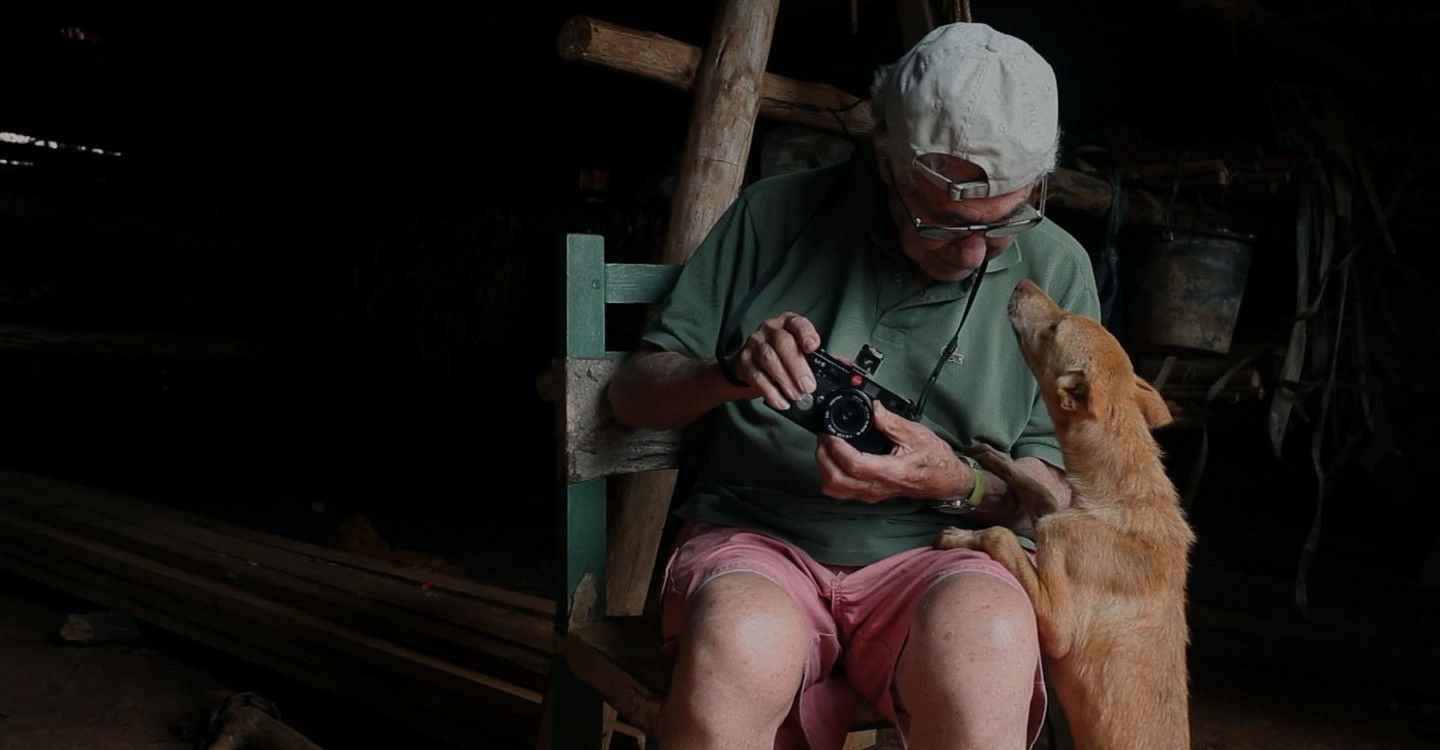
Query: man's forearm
[662, 390]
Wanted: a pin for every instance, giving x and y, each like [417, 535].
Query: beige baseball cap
[970, 91]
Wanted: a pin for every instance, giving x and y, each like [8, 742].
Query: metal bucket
[1183, 290]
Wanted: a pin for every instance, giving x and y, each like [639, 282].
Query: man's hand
[773, 361]
[663, 390]
[921, 465]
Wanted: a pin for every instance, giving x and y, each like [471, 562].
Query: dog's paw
[953, 537]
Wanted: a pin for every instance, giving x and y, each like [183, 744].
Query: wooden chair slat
[593, 445]
[639, 283]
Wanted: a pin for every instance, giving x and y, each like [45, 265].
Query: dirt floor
[151, 694]
[55, 695]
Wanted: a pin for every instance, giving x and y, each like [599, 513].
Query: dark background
[374, 199]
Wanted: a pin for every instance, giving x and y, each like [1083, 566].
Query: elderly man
[803, 573]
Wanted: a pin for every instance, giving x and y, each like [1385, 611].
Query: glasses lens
[941, 233]
[1010, 230]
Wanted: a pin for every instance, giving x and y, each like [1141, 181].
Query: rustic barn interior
[277, 300]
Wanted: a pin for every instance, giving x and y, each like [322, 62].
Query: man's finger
[890, 424]
[804, 332]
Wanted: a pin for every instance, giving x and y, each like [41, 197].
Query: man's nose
[973, 241]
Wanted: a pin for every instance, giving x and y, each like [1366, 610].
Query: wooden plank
[350, 599]
[594, 445]
[61, 491]
[582, 301]
[303, 627]
[77, 341]
[151, 527]
[620, 658]
[435, 713]
[633, 283]
[675, 64]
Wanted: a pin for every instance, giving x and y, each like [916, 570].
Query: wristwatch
[970, 502]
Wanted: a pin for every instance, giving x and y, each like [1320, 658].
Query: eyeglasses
[1028, 218]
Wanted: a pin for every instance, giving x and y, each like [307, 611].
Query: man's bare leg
[739, 667]
[967, 673]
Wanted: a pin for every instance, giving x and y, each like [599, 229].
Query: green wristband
[977, 492]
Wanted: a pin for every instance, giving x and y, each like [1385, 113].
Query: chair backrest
[591, 445]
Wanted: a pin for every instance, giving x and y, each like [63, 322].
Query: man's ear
[1152, 404]
[1075, 391]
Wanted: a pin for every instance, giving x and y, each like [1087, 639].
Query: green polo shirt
[845, 272]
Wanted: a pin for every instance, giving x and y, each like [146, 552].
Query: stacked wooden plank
[463, 663]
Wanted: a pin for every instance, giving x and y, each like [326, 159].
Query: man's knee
[748, 623]
[978, 612]
[742, 657]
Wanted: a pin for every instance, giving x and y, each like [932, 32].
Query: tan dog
[1108, 580]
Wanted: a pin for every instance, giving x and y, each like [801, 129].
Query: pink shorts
[860, 617]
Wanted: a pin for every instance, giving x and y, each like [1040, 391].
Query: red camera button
[856, 380]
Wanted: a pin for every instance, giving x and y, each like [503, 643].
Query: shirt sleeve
[717, 274]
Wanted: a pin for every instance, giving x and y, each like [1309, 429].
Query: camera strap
[954, 340]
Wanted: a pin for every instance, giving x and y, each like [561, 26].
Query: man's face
[952, 259]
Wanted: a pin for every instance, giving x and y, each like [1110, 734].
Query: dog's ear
[1075, 391]
[1152, 404]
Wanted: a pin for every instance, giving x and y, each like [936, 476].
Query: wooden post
[727, 96]
[722, 121]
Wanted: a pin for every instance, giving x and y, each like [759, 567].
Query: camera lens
[848, 414]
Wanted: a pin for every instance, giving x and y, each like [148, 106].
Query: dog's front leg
[1034, 498]
[1053, 614]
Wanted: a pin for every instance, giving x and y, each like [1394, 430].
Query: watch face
[954, 506]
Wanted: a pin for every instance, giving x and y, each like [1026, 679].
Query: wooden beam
[484, 637]
[675, 64]
[140, 344]
[64, 492]
[293, 641]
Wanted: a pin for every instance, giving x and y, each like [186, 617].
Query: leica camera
[842, 403]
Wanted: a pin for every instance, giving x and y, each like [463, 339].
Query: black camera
[841, 403]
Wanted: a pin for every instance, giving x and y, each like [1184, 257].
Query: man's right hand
[661, 390]
[773, 361]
